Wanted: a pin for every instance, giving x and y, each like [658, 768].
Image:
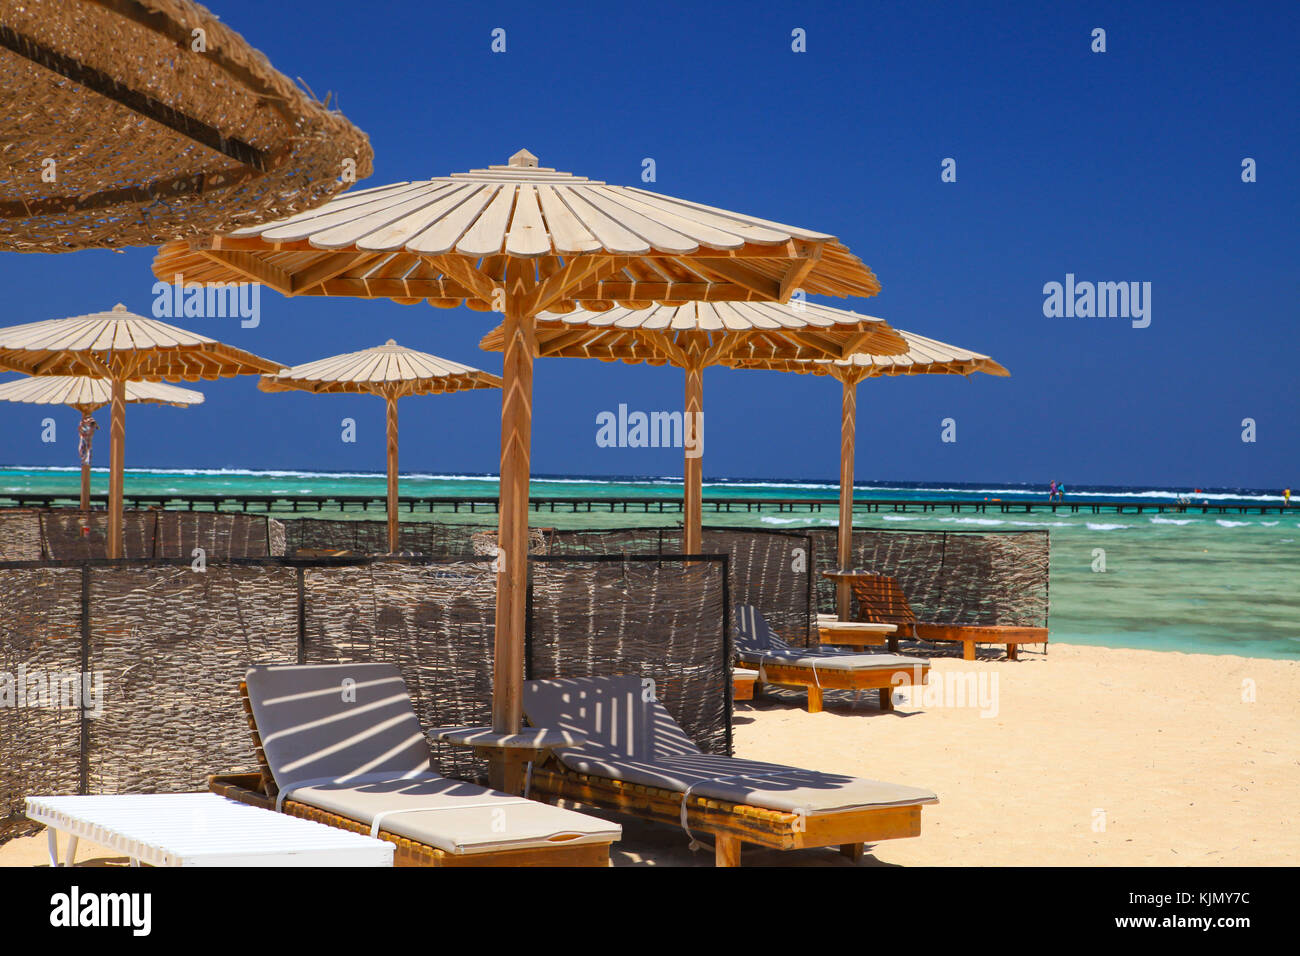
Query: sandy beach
[1084, 756]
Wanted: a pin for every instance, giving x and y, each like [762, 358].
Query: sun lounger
[340, 744]
[881, 600]
[637, 760]
[820, 668]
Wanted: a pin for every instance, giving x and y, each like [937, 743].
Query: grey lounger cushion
[635, 740]
[757, 643]
[344, 738]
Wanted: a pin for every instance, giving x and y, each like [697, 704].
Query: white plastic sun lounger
[341, 744]
[820, 668]
[636, 759]
[199, 829]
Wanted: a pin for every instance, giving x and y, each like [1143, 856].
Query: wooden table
[516, 752]
[854, 633]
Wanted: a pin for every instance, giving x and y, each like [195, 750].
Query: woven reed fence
[426, 538]
[657, 617]
[951, 577]
[169, 646]
[769, 569]
[62, 534]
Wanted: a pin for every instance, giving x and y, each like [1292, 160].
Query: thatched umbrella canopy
[87, 395]
[522, 239]
[694, 336]
[923, 357]
[132, 122]
[390, 371]
[119, 346]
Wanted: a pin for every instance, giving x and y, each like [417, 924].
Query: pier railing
[646, 504]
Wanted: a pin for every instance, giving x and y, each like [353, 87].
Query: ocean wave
[1156, 519]
[1225, 523]
[1102, 526]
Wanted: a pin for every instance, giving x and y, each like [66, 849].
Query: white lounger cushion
[456, 817]
[344, 738]
[624, 732]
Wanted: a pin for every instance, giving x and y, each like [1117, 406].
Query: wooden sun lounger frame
[880, 679]
[259, 789]
[881, 600]
[732, 824]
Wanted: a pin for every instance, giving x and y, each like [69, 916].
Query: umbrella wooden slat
[442, 236]
[569, 236]
[351, 229]
[400, 230]
[527, 237]
[487, 235]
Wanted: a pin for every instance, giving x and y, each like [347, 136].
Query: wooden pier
[655, 504]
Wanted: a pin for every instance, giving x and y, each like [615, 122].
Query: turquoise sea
[1221, 584]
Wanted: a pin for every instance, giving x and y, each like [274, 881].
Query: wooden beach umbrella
[923, 357]
[523, 239]
[87, 395]
[119, 346]
[695, 336]
[390, 371]
[132, 122]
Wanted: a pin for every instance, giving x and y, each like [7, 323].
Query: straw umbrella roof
[924, 356]
[719, 332]
[152, 140]
[569, 240]
[87, 394]
[98, 343]
[385, 369]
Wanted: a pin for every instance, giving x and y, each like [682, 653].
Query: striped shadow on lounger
[341, 742]
[638, 760]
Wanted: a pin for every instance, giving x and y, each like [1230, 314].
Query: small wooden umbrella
[923, 357]
[119, 346]
[132, 122]
[692, 337]
[87, 395]
[391, 372]
[522, 239]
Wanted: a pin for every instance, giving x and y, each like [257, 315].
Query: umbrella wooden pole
[512, 540]
[117, 463]
[693, 471]
[392, 472]
[848, 429]
[85, 472]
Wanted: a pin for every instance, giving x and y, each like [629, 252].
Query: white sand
[1183, 769]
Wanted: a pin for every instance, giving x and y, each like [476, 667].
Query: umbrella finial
[523, 158]
[391, 342]
[119, 307]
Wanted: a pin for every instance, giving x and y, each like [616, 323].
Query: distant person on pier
[1051, 491]
[1286, 497]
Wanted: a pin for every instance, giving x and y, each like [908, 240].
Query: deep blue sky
[1117, 166]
